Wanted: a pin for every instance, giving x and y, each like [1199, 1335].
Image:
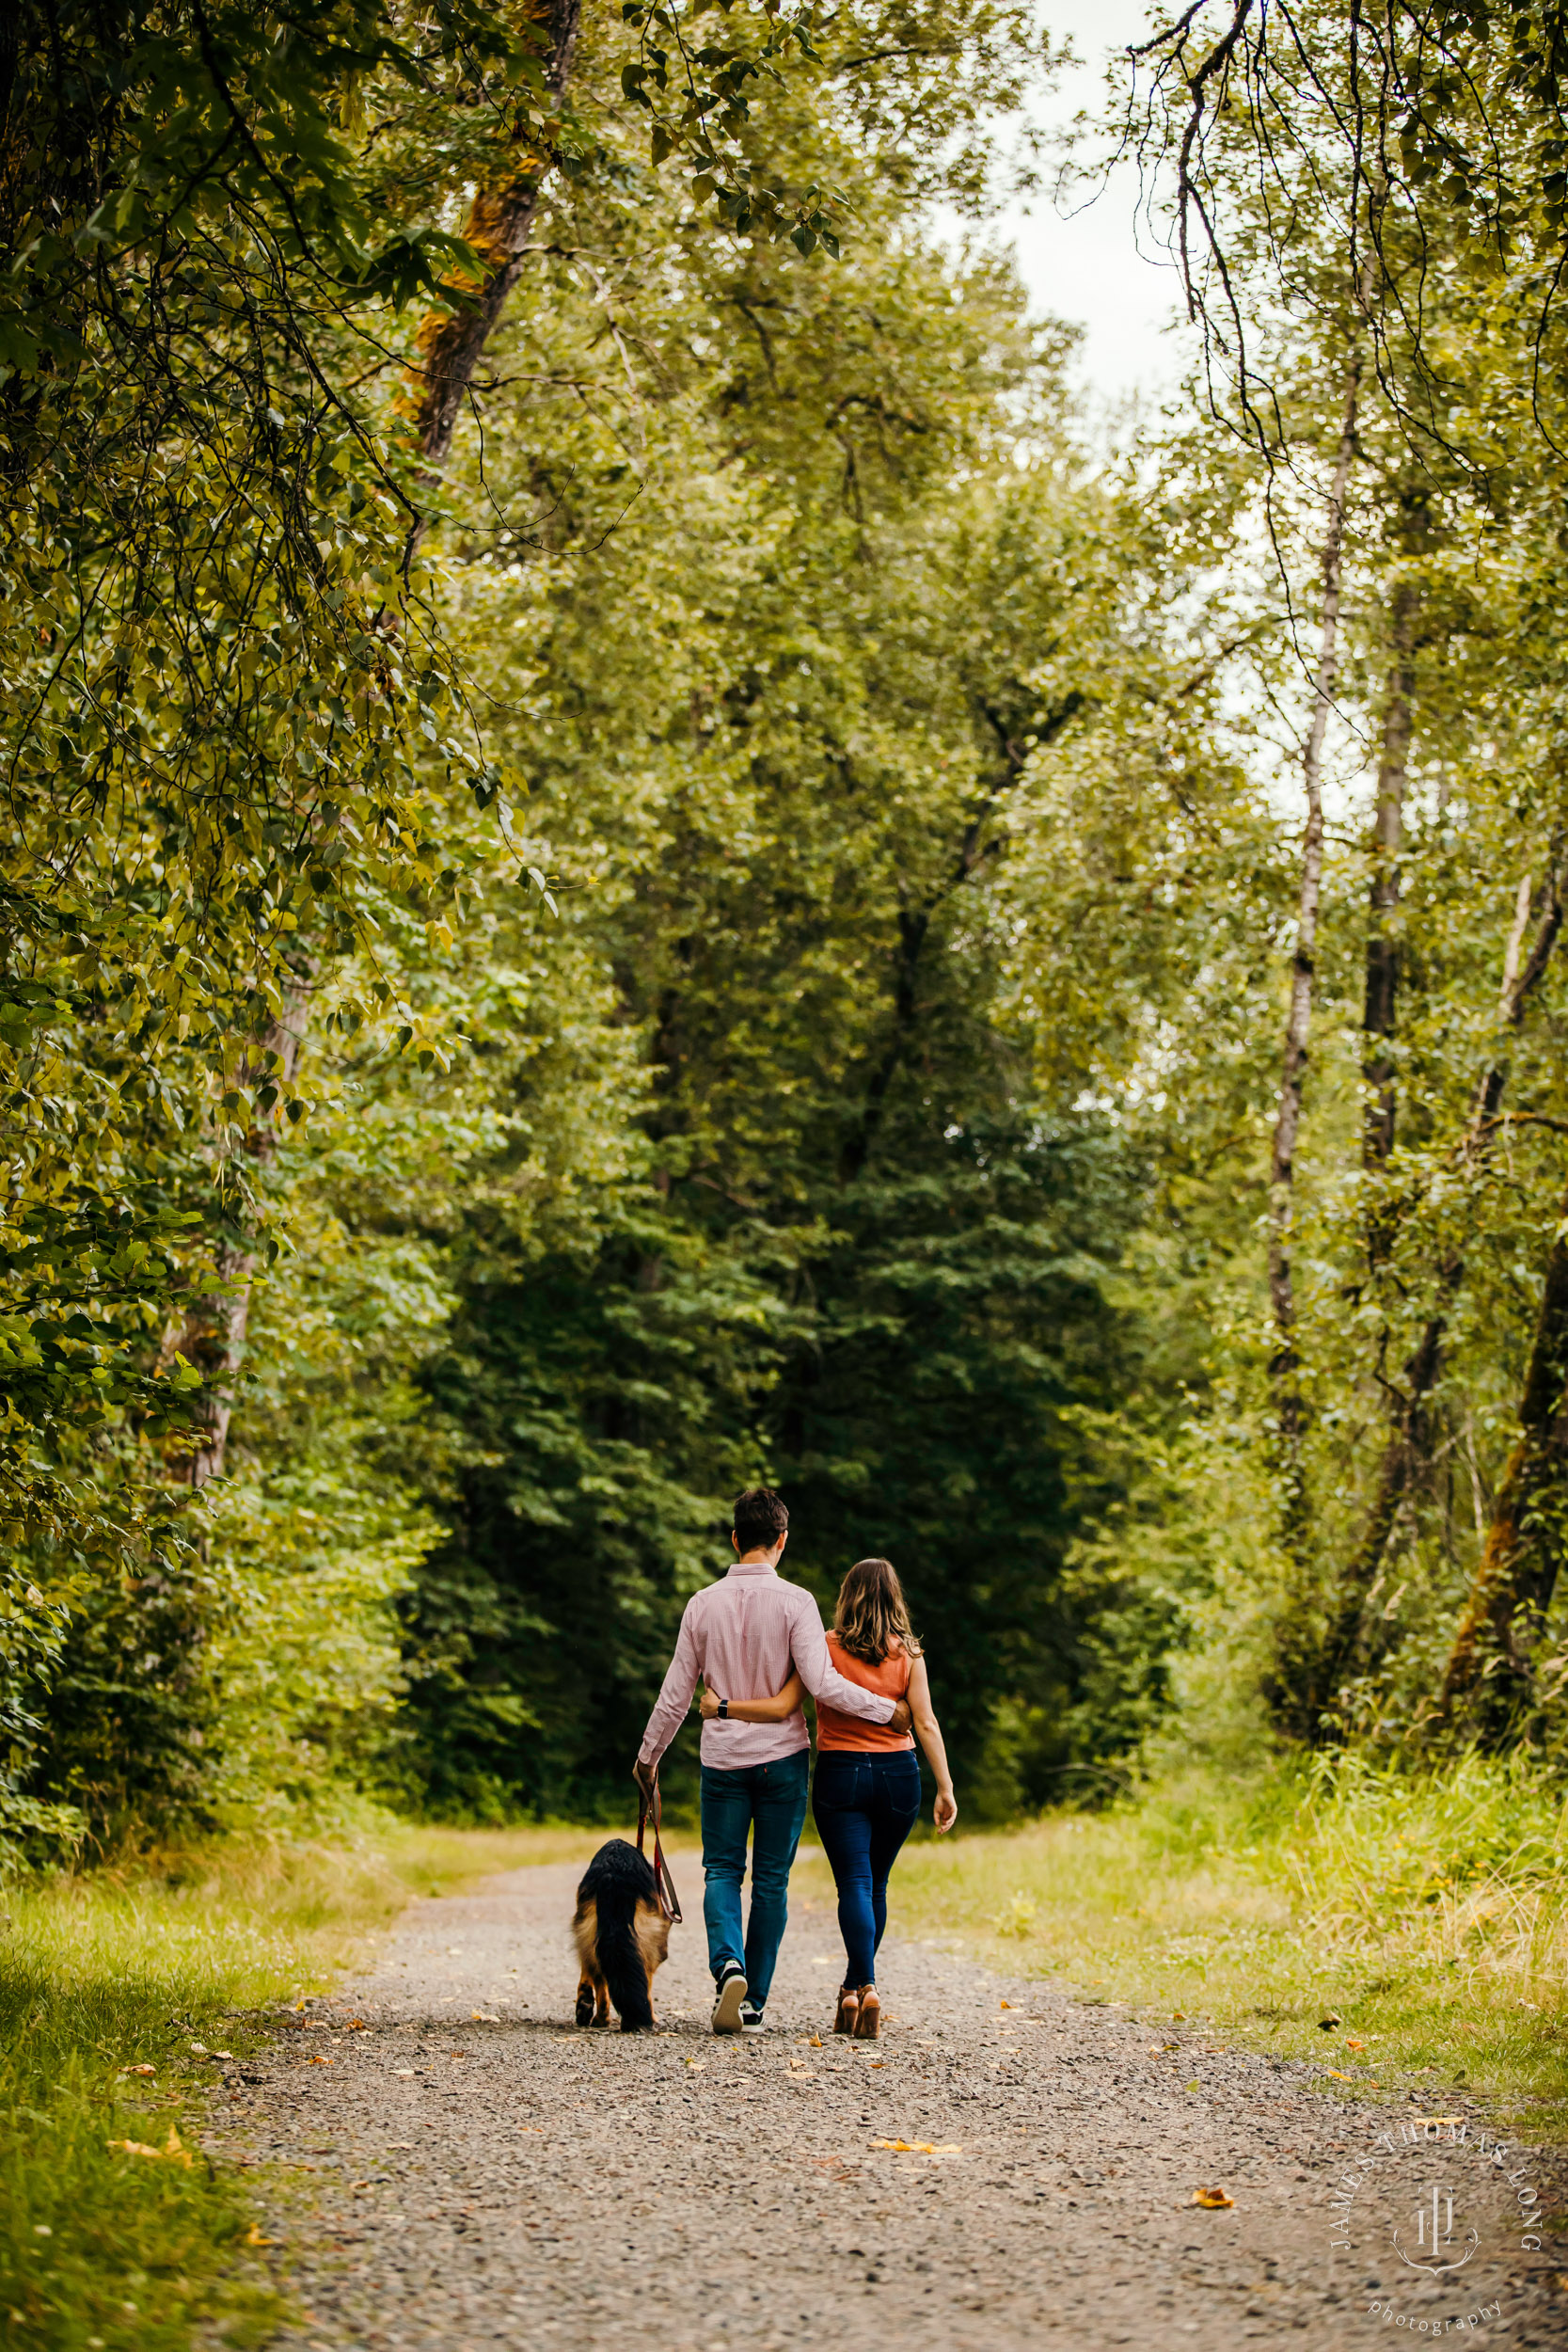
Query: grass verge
[1427, 1917]
[111, 1970]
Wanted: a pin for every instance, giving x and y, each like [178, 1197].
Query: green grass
[115, 1968]
[1429, 1916]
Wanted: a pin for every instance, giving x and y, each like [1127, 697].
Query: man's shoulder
[796, 1599]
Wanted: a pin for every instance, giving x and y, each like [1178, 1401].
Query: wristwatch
[723, 1710]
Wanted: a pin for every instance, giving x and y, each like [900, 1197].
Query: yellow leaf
[255, 2237]
[1212, 2199]
[921, 2147]
[134, 2148]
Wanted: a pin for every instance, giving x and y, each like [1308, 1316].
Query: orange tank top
[891, 1678]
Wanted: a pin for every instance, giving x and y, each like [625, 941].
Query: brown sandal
[869, 2020]
[849, 2009]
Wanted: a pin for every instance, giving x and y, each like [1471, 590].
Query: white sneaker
[727, 2006]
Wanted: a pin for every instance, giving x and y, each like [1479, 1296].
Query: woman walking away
[866, 1794]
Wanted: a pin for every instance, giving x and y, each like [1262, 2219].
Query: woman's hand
[945, 1810]
[771, 1711]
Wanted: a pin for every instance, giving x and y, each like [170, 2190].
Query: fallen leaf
[134, 2148]
[1212, 2199]
[223, 2054]
[483, 2017]
[255, 2237]
[1448, 2122]
[1353, 2041]
[354, 2024]
[1327, 2023]
[316, 2058]
[921, 2147]
[175, 2147]
[1334, 2074]
[1007, 2005]
[405, 2070]
[817, 2042]
[200, 2049]
[138, 2070]
[1195, 2086]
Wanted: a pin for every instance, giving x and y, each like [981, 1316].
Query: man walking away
[744, 1636]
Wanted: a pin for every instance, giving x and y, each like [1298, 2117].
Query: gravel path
[438, 2180]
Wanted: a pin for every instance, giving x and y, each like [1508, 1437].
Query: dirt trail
[457, 2182]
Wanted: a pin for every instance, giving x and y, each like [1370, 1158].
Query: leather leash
[669, 1901]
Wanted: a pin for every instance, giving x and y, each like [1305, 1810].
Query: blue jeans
[865, 1805]
[770, 1799]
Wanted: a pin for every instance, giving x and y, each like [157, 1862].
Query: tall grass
[103, 1972]
[1428, 1916]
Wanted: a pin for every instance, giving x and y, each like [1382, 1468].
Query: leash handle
[652, 1805]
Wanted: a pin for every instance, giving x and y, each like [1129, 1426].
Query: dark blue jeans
[865, 1805]
[770, 1801]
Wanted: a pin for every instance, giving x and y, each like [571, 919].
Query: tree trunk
[1380, 1019]
[1405, 1442]
[500, 224]
[914, 923]
[1285, 1366]
[213, 1336]
[1489, 1679]
[500, 221]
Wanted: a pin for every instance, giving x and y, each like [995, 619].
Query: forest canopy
[638, 859]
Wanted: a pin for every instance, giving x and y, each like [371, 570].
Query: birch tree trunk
[1285, 1366]
[213, 1336]
[1379, 1018]
[452, 343]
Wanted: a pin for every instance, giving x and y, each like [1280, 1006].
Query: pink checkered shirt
[741, 1636]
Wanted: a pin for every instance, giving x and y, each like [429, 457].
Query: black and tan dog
[622, 1937]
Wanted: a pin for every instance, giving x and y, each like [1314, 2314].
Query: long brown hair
[872, 1613]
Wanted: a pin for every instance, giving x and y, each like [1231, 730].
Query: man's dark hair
[760, 1519]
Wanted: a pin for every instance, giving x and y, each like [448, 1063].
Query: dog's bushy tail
[621, 1956]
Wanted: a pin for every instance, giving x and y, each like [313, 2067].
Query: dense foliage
[630, 864]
